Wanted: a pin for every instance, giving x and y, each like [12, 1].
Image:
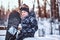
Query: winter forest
[47, 13]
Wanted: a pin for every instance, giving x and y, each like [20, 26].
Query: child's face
[24, 14]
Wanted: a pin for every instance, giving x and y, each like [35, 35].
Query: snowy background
[45, 26]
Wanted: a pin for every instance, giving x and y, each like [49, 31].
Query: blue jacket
[29, 24]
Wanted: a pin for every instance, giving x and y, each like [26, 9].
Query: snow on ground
[2, 37]
[49, 37]
[2, 32]
[45, 24]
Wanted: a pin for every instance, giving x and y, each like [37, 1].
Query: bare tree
[33, 4]
[53, 12]
[19, 3]
[53, 8]
[57, 9]
[39, 11]
[45, 15]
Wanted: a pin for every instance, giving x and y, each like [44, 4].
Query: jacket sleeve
[34, 24]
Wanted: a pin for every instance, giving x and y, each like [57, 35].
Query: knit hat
[25, 8]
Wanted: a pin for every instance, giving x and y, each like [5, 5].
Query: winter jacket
[13, 22]
[29, 27]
